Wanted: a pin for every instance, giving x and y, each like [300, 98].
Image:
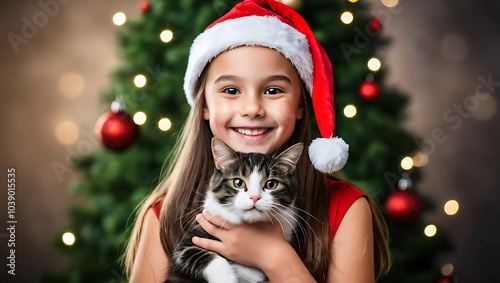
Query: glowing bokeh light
[407, 163]
[140, 80]
[451, 207]
[350, 111]
[164, 124]
[430, 230]
[68, 238]
[67, 132]
[166, 36]
[347, 17]
[119, 18]
[139, 118]
[71, 85]
[374, 64]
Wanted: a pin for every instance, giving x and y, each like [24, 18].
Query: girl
[250, 78]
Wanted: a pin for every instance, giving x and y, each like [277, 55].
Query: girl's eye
[238, 183]
[231, 90]
[273, 90]
[271, 184]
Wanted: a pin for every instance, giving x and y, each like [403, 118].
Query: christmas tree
[149, 109]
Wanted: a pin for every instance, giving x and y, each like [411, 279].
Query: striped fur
[245, 187]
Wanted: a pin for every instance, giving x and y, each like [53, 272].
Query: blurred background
[443, 54]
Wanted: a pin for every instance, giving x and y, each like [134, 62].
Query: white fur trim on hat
[328, 155]
[248, 31]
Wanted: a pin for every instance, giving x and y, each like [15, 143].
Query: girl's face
[253, 99]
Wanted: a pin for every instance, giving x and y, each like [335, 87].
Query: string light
[390, 3]
[140, 80]
[71, 85]
[140, 118]
[447, 269]
[350, 111]
[119, 18]
[67, 132]
[374, 64]
[68, 238]
[407, 163]
[166, 35]
[353, 1]
[451, 207]
[420, 159]
[164, 124]
[430, 230]
[347, 17]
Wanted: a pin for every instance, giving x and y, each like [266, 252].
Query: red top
[343, 194]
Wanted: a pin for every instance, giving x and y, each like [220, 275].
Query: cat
[245, 187]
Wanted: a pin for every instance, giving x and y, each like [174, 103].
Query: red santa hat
[272, 24]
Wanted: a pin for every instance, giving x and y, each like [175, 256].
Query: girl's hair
[192, 165]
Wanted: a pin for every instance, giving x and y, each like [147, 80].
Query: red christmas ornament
[375, 26]
[403, 206]
[116, 130]
[145, 7]
[369, 90]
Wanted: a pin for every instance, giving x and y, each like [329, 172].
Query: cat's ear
[288, 159]
[223, 154]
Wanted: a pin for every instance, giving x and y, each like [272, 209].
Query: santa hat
[272, 24]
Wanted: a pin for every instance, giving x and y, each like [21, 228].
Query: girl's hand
[247, 244]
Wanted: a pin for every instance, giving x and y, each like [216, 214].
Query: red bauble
[145, 6]
[375, 26]
[369, 90]
[116, 130]
[403, 206]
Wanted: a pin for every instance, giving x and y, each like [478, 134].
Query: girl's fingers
[208, 244]
[208, 226]
[215, 220]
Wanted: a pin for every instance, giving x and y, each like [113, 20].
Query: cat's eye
[238, 183]
[271, 184]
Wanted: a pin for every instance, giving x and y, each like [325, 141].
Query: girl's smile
[253, 105]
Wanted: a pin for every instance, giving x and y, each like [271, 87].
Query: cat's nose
[255, 198]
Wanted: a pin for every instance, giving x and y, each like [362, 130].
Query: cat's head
[251, 187]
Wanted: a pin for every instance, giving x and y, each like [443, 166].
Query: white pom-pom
[328, 155]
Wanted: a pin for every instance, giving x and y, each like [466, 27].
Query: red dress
[343, 194]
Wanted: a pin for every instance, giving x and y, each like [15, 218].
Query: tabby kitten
[245, 187]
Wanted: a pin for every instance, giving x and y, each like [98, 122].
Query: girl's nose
[251, 106]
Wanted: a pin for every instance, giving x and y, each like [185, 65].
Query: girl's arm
[352, 247]
[262, 246]
[150, 264]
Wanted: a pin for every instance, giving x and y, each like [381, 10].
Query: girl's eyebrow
[268, 79]
[279, 78]
[226, 78]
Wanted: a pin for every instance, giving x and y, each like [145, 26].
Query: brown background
[439, 53]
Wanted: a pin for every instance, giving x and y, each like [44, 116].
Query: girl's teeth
[251, 132]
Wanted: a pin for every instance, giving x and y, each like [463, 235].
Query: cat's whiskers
[275, 208]
[299, 223]
[190, 216]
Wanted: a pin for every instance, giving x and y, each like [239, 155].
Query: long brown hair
[191, 166]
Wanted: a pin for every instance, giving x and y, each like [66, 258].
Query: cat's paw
[220, 271]
[248, 274]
